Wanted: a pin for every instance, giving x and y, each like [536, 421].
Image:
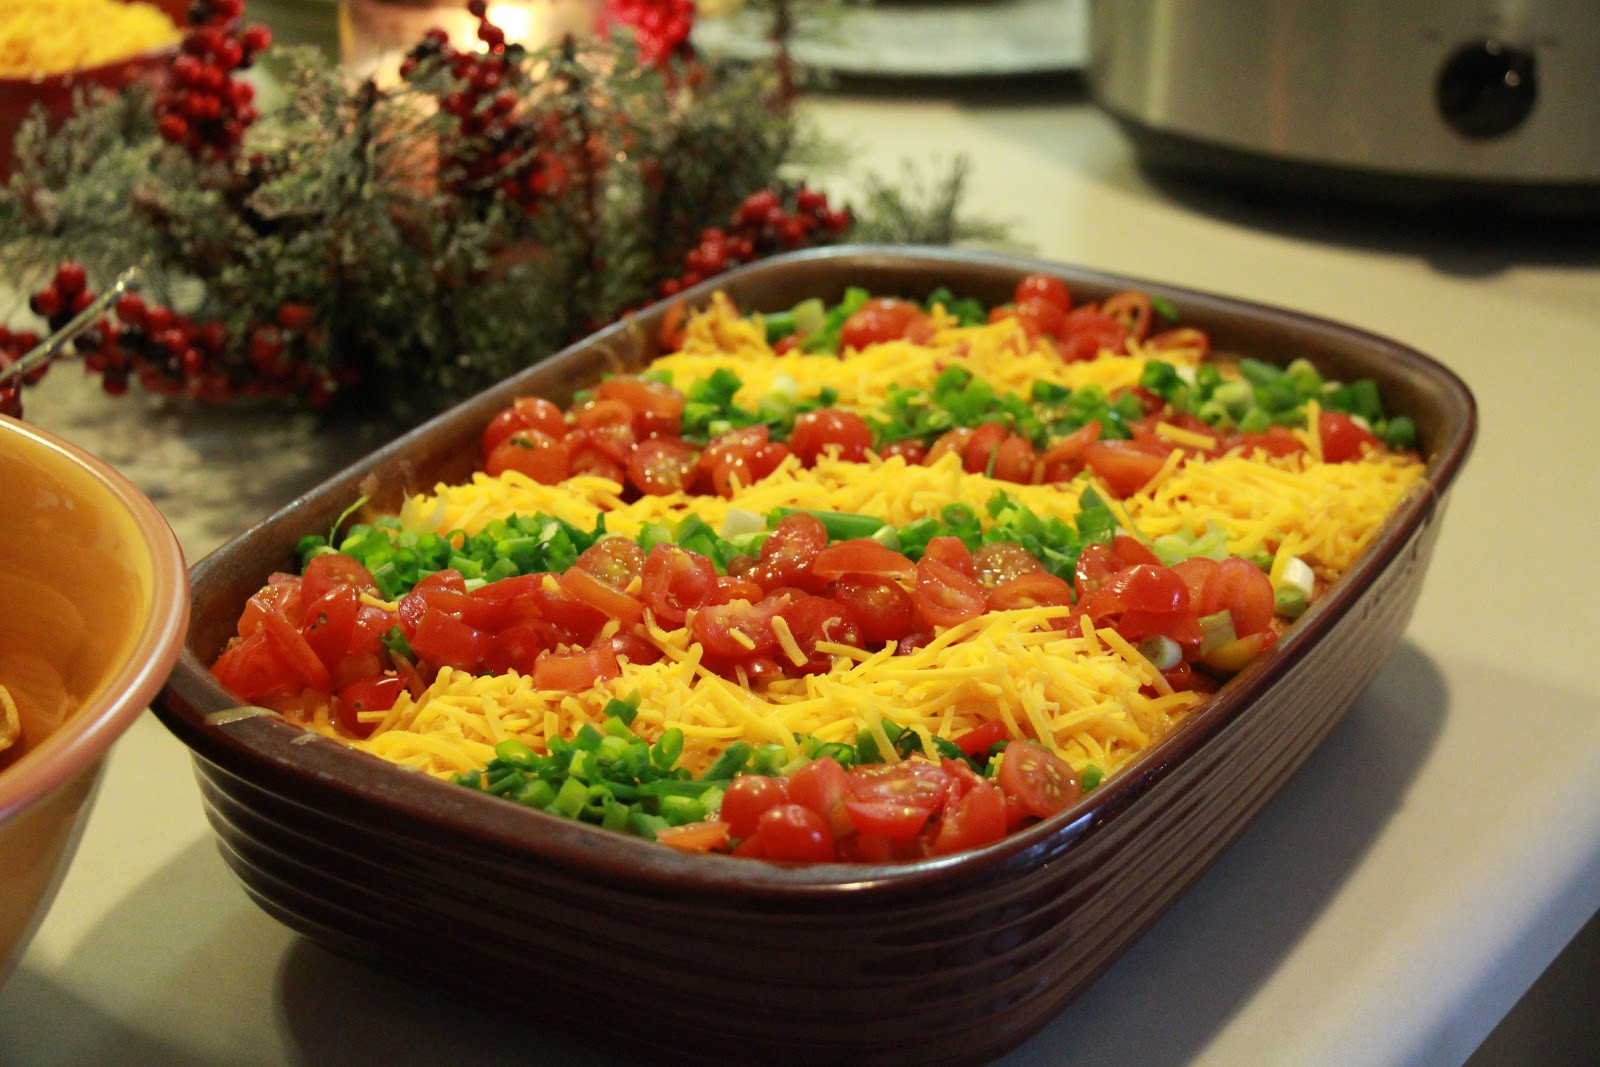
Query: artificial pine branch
[401, 247]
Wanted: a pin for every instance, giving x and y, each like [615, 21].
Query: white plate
[942, 38]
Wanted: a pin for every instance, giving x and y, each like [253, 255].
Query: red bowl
[952, 959]
[54, 92]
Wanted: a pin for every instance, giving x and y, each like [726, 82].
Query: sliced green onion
[1215, 631]
[1163, 652]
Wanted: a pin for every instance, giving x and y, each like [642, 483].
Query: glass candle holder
[375, 35]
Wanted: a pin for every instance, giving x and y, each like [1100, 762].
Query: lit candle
[375, 35]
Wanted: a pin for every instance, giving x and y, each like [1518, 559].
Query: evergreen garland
[399, 247]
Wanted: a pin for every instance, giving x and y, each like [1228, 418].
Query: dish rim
[246, 737]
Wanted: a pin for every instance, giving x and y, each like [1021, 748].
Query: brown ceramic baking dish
[954, 959]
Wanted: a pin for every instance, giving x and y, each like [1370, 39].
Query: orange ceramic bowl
[94, 602]
[54, 92]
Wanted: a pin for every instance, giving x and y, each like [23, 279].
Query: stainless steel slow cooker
[1432, 100]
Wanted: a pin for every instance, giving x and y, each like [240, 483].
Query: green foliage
[370, 207]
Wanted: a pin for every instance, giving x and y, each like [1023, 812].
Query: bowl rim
[245, 741]
[90, 732]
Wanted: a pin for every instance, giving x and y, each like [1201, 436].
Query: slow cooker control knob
[1486, 89]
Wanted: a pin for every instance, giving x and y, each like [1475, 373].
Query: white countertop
[1389, 906]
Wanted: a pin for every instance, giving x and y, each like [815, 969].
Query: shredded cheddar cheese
[1080, 696]
[56, 36]
[1043, 673]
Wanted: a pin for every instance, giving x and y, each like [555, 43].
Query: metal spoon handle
[51, 346]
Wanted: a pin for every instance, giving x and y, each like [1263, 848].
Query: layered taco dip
[864, 582]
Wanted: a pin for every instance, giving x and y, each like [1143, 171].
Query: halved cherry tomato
[953, 552]
[1043, 287]
[1194, 572]
[1063, 460]
[1040, 589]
[538, 455]
[747, 798]
[330, 623]
[1015, 461]
[675, 581]
[662, 465]
[997, 562]
[1244, 591]
[788, 553]
[914, 782]
[882, 607]
[1040, 318]
[981, 446]
[602, 596]
[862, 556]
[1131, 310]
[280, 596]
[731, 588]
[885, 319]
[657, 408]
[977, 819]
[1183, 338]
[296, 651]
[1143, 587]
[1086, 332]
[611, 415]
[816, 432]
[1041, 781]
[821, 785]
[446, 641]
[581, 622]
[255, 669]
[575, 672]
[518, 646]
[738, 630]
[944, 596]
[330, 569]
[818, 618]
[1276, 441]
[1129, 551]
[740, 458]
[367, 694]
[617, 561]
[911, 450]
[795, 832]
[1126, 466]
[980, 739]
[634, 649]
[1343, 438]
[525, 413]
[955, 440]
[614, 441]
[896, 822]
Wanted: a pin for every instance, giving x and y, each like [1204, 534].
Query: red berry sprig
[494, 143]
[204, 108]
[174, 354]
[765, 222]
[660, 27]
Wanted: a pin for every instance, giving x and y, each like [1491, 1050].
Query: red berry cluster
[175, 354]
[493, 146]
[14, 344]
[764, 223]
[203, 107]
[660, 27]
[280, 357]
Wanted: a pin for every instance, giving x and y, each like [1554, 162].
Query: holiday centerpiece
[408, 244]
